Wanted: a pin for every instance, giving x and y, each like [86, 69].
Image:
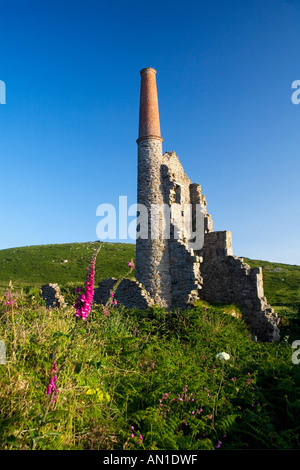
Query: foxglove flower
[84, 302]
[51, 389]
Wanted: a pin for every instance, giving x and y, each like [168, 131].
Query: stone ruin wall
[184, 266]
[152, 256]
[52, 296]
[128, 293]
[212, 274]
[228, 279]
[168, 272]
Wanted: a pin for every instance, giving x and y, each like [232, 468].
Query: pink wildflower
[131, 264]
[105, 310]
[52, 386]
[85, 300]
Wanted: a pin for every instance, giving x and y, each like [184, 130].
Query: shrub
[153, 379]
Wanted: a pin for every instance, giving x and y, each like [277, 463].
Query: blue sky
[69, 127]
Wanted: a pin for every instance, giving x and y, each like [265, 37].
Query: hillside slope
[61, 263]
[66, 263]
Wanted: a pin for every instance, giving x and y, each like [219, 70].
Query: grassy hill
[281, 282]
[133, 379]
[61, 263]
[65, 264]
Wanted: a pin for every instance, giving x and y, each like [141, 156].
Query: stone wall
[174, 179]
[184, 267]
[211, 273]
[52, 296]
[129, 293]
[228, 279]
[171, 269]
[196, 197]
[152, 254]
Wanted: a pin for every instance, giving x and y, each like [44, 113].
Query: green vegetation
[139, 379]
[281, 282]
[64, 264]
[61, 264]
[144, 380]
[282, 289]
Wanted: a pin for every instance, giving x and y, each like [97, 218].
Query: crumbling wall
[175, 271]
[52, 296]
[129, 293]
[196, 197]
[176, 184]
[228, 279]
[184, 267]
[212, 273]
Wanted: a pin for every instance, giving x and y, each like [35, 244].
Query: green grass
[42, 264]
[32, 266]
[281, 282]
[154, 371]
[136, 373]
[282, 289]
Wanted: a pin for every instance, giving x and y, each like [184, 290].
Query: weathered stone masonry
[168, 272]
[171, 273]
[227, 279]
[52, 296]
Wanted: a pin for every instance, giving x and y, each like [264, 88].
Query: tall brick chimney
[152, 254]
[149, 125]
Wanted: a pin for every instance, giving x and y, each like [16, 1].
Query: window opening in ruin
[177, 194]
